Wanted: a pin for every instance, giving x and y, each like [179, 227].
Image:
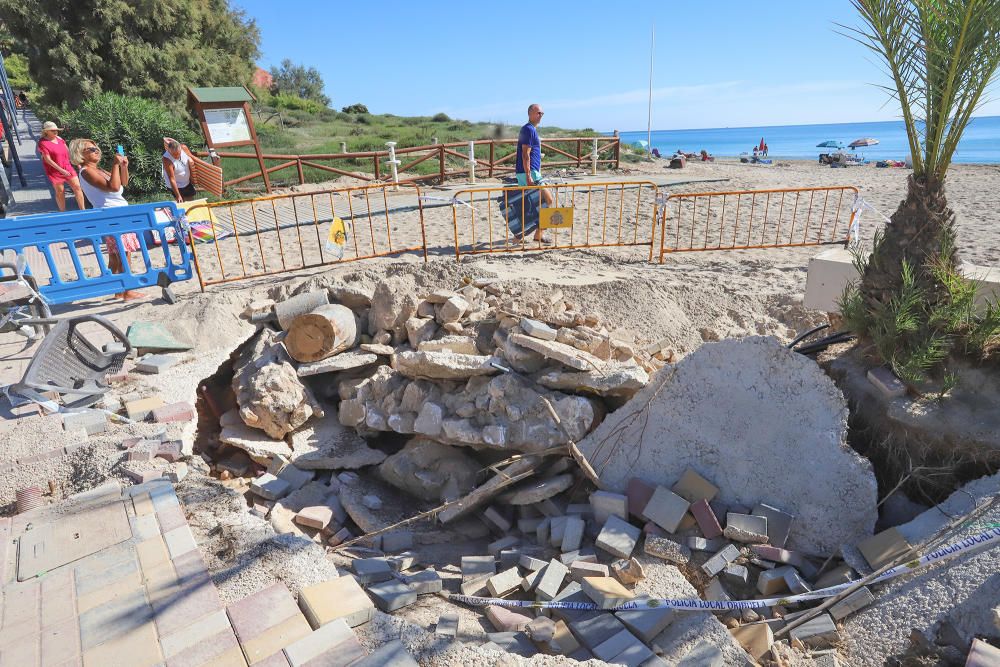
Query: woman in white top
[177, 170]
[104, 190]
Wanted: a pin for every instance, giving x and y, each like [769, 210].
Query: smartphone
[120, 150]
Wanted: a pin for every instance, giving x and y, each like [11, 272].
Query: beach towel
[201, 232]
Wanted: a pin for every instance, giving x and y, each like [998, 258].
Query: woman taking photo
[104, 190]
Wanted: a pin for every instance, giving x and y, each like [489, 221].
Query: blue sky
[723, 63]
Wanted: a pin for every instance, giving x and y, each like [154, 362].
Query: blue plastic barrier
[60, 243]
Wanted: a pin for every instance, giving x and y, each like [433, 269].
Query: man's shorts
[536, 178]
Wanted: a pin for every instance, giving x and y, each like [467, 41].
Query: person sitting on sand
[705, 157]
[528, 158]
[104, 190]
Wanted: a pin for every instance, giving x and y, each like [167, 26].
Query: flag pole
[649, 113]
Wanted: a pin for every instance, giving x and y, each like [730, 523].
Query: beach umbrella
[830, 144]
[861, 143]
[761, 147]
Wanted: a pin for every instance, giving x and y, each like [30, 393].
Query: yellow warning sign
[556, 218]
[337, 238]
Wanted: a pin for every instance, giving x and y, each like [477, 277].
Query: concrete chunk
[667, 549]
[537, 329]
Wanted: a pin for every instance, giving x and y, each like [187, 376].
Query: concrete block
[531, 563]
[755, 638]
[859, 599]
[606, 592]
[773, 581]
[478, 567]
[317, 643]
[90, 421]
[595, 630]
[557, 528]
[551, 581]
[667, 549]
[708, 523]
[820, 632]
[884, 547]
[447, 625]
[580, 569]
[605, 504]
[537, 329]
[424, 582]
[340, 598]
[572, 533]
[779, 523]
[735, 575]
[155, 363]
[517, 643]
[666, 509]
[390, 654]
[618, 537]
[397, 540]
[721, 560]
[841, 574]
[614, 645]
[745, 528]
[174, 412]
[269, 487]
[646, 623]
[392, 595]
[503, 543]
[638, 493]
[140, 410]
[504, 583]
[692, 487]
[506, 619]
[371, 570]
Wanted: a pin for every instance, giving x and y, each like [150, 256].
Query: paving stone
[178, 607]
[506, 619]
[392, 595]
[120, 616]
[174, 412]
[426, 581]
[886, 382]
[340, 598]
[59, 642]
[667, 549]
[646, 623]
[745, 528]
[572, 533]
[704, 654]
[329, 642]
[692, 487]
[859, 599]
[390, 654]
[721, 560]
[773, 581]
[477, 567]
[638, 492]
[606, 592]
[666, 509]
[552, 579]
[580, 569]
[755, 638]
[618, 537]
[517, 643]
[267, 621]
[90, 421]
[218, 649]
[708, 523]
[779, 523]
[504, 583]
[447, 625]
[820, 632]
[207, 628]
[371, 570]
[179, 541]
[268, 486]
[594, 631]
[138, 642]
[884, 547]
[606, 504]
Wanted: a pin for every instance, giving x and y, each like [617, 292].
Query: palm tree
[941, 56]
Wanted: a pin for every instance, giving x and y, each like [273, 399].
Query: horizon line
[751, 127]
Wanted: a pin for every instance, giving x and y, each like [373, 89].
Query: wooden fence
[565, 151]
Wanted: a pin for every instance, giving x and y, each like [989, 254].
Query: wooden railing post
[302, 176]
[579, 144]
[618, 149]
[441, 162]
[492, 144]
[378, 174]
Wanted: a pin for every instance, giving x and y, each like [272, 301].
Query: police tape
[984, 540]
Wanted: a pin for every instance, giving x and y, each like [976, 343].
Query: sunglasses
[92, 149]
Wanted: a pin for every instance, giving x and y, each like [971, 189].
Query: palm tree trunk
[922, 233]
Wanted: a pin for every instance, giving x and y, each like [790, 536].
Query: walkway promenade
[36, 196]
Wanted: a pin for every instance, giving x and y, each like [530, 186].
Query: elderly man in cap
[58, 168]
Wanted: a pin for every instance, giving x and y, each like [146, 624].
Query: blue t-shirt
[529, 137]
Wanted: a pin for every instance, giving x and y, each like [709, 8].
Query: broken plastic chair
[22, 308]
[70, 364]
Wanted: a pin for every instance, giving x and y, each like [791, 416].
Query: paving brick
[392, 595]
[884, 547]
[371, 570]
[477, 567]
[859, 599]
[274, 660]
[796, 584]
[585, 555]
[537, 329]
[542, 532]
[201, 647]
[721, 560]
[274, 639]
[475, 587]
[104, 569]
[507, 619]
[179, 541]
[820, 632]
[735, 574]
[778, 555]
[636, 654]
[402, 561]
[116, 618]
[25, 651]
[702, 544]
[779, 523]
[573, 592]
[605, 504]
[580, 569]
[983, 655]
[496, 521]
[174, 412]
[646, 623]
[270, 487]
[692, 487]
[504, 583]
[170, 517]
[426, 581]
[773, 581]
[715, 591]
[755, 638]
[340, 598]
[390, 654]
[447, 625]
[606, 592]
[745, 528]
[572, 533]
[262, 610]
[91, 421]
[638, 493]
[60, 642]
[614, 645]
[184, 605]
[666, 509]
[397, 540]
[137, 647]
[127, 584]
[841, 574]
[141, 409]
[155, 363]
[320, 645]
[594, 631]
[552, 579]
[209, 626]
[517, 643]
[557, 528]
[563, 642]
[708, 523]
[618, 537]
[509, 558]
[503, 543]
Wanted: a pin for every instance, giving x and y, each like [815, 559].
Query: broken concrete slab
[556, 351]
[453, 344]
[764, 424]
[616, 381]
[537, 491]
[442, 365]
[326, 444]
[427, 469]
[256, 443]
[344, 361]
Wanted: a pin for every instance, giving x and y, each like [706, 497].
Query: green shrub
[139, 125]
[293, 103]
[355, 108]
[364, 119]
[441, 118]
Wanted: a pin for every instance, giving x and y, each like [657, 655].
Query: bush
[355, 108]
[364, 119]
[139, 125]
[293, 103]
[441, 118]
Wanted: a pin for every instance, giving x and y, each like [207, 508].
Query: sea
[980, 143]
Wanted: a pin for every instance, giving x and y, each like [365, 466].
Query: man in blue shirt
[528, 164]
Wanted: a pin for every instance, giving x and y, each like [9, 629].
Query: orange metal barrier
[747, 219]
[605, 214]
[250, 238]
